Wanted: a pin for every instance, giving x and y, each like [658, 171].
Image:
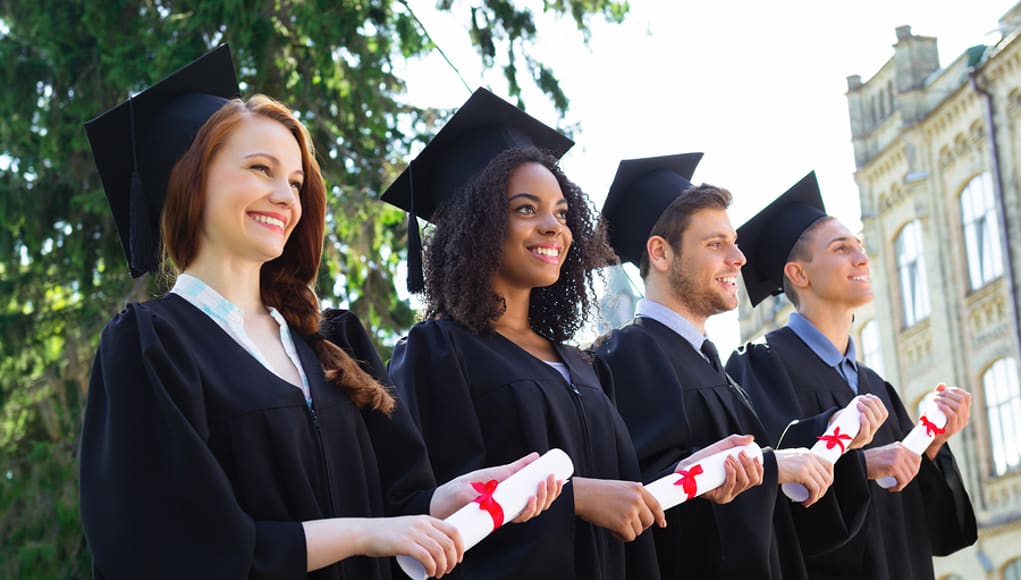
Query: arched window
[1012, 571]
[871, 354]
[981, 231]
[1003, 409]
[914, 288]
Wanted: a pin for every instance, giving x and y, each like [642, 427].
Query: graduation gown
[674, 403]
[483, 400]
[902, 531]
[198, 462]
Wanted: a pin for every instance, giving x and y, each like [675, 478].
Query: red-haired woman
[223, 436]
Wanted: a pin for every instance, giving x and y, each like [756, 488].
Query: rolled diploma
[919, 439]
[670, 493]
[512, 494]
[848, 422]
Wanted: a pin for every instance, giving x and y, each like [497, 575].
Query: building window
[1012, 571]
[871, 354]
[1003, 408]
[981, 231]
[914, 290]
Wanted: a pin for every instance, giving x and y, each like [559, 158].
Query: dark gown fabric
[482, 400]
[198, 462]
[674, 403]
[902, 531]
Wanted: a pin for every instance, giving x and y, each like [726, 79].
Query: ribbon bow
[930, 428]
[486, 501]
[837, 438]
[687, 480]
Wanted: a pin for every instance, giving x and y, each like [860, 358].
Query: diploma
[830, 445]
[696, 479]
[930, 424]
[498, 503]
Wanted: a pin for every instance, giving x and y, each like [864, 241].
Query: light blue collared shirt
[824, 349]
[651, 309]
[232, 320]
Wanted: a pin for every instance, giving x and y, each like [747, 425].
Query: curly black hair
[459, 262]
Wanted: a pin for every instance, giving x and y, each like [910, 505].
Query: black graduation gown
[198, 462]
[902, 531]
[482, 400]
[674, 403]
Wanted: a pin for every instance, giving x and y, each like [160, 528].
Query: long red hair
[286, 282]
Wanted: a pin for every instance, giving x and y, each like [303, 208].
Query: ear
[795, 274]
[660, 253]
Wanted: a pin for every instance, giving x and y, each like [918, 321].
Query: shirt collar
[821, 345]
[223, 311]
[651, 309]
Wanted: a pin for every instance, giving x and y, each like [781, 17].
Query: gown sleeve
[405, 473]
[840, 514]
[155, 502]
[433, 386]
[949, 515]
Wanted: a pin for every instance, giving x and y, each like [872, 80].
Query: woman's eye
[296, 185]
[562, 214]
[261, 168]
[525, 209]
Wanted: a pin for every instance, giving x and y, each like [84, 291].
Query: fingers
[819, 477]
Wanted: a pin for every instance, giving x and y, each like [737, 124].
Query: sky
[759, 87]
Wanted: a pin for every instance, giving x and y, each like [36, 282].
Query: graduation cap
[768, 238]
[137, 143]
[640, 192]
[481, 129]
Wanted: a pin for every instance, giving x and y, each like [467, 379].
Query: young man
[822, 268]
[675, 398]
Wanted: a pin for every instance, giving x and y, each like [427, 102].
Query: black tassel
[142, 256]
[416, 276]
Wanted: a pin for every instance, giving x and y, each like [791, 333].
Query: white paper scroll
[918, 439]
[831, 445]
[705, 475]
[512, 494]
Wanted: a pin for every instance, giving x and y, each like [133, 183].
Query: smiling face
[837, 271]
[538, 238]
[703, 274]
[252, 192]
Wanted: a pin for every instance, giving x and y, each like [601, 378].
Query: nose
[861, 258]
[550, 225]
[283, 194]
[737, 257]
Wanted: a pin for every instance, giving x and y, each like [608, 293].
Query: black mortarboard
[137, 143]
[640, 191]
[481, 129]
[768, 238]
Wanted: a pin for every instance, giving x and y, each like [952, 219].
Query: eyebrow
[718, 236]
[272, 158]
[843, 239]
[535, 198]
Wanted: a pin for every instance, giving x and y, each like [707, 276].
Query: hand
[436, 544]
[623, 507]
[458, 492]
[802, 466]
[956, 405]
[873, 415]
[892, 460]
[740, 474]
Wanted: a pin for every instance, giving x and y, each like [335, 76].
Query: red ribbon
[837, 438]
[930, 428]
[687, 480]
[486, 501]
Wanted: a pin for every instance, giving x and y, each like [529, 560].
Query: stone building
[937, 154]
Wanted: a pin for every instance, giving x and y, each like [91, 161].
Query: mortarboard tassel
[416, 276]
[143, 252]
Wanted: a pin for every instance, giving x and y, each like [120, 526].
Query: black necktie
[709, 350]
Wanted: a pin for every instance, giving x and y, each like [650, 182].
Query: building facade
[938, 169]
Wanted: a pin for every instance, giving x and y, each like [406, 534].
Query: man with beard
[823, 270]
[675, 398]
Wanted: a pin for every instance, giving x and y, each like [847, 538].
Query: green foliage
[62, 271]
